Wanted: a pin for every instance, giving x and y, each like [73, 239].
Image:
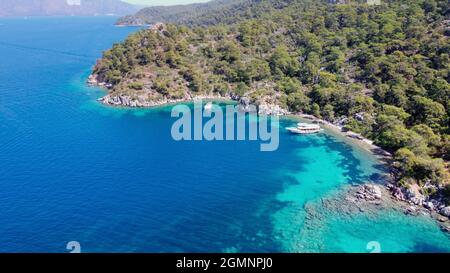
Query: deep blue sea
[115, 181]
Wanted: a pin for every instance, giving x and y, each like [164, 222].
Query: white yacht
[305, 129]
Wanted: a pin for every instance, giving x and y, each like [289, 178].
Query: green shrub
[136, 85]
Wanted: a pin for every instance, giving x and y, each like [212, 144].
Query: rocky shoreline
[264, 106]
[141, 101]
[417, 203]
[348, 202]
[410, 200]
[392, 196]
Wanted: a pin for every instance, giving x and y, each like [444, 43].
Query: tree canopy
[384, 69]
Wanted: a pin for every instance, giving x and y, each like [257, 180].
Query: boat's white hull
[303, 132]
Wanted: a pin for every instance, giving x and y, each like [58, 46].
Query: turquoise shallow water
[114, 180]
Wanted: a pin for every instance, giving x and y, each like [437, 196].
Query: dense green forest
[205, 14]
[384, 68]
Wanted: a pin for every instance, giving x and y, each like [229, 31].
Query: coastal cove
[115, 181]
[386, 182]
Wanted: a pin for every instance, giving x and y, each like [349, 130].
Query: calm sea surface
[115, 181]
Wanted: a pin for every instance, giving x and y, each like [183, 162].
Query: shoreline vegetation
[361, 197]
[379, 75]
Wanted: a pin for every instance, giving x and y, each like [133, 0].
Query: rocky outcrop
[445, 211]
[397, 193]
[145, 98]
[135, 102]
[265, 106]
[417, 200]
[245, 105]
[370, 196]
[142, 101]
[429, 205]
[271, 109]
[94, 81]
[369, 192]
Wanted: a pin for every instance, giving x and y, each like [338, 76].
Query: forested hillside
[205, 14]
[383, 71]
